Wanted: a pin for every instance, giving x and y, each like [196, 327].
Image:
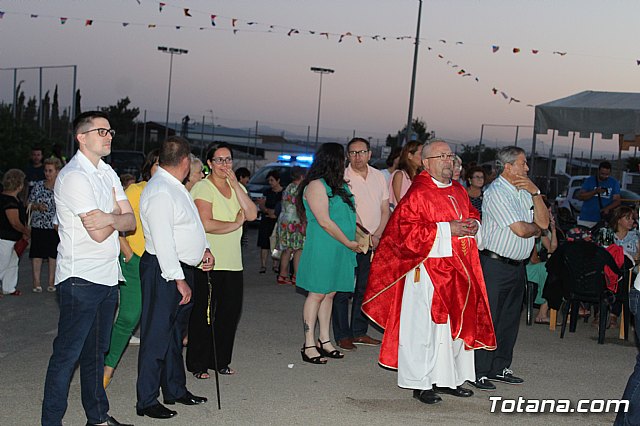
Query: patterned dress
[290, 231]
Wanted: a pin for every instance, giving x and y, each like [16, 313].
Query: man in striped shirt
[513, 214]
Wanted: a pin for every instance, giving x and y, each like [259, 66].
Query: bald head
[437, 160]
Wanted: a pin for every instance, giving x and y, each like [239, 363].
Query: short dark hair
[354, 140]
[149, 161]
[395, 153]
[297, 172]
[274, 174]
[173, 151]
[86, 118]
[37, 148]
[604, 165]
[216, 147]
[242, 172]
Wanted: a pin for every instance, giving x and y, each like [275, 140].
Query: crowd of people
[423, 238]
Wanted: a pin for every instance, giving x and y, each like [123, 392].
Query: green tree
[469, 154]
[122, 119]
[419, 132]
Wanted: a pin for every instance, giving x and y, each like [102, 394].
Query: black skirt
[264, 232]
[44, 243]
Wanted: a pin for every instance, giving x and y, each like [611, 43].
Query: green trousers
[128, 311]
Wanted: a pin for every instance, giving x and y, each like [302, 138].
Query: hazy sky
[260, 75]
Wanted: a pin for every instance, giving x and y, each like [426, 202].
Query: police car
[258, 182]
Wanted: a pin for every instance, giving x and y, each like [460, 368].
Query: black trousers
[162, 326]
[226, 307]
[505, 290]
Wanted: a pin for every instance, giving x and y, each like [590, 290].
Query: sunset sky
[262, 73]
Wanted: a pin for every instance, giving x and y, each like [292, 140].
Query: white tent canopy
[607, 113]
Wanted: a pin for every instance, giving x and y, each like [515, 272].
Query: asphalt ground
[274, 387]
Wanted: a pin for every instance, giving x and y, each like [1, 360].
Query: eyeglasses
[102, 132]
[222, 160]
[360, 153]
[444, 156]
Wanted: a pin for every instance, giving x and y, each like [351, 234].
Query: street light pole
[320, 71]
[171, 51]
[413, 75]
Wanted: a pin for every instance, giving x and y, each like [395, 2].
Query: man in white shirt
[174, 239]
[371, 194]
[91, 208]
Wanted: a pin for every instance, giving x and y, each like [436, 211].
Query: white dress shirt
[81, 187]
[172, 228]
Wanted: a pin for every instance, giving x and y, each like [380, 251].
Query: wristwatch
[536, 193]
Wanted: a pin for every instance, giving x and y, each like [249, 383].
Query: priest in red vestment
[426, 287]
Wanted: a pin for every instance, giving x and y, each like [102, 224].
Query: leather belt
[502, 259]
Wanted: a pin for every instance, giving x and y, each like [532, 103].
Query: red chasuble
[459, 289]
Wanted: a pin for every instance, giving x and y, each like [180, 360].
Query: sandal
[313, 360]
[263, 270]
[51, 289]
[283, 280]
[37, 289]
[16, 293]
[227, 371]
[333, 354]
[202, 375]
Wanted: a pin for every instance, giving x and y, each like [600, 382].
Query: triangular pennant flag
[461, 72]
[161, 5]
[440, 56]
[516, 50]
[459, 42]
[312, 32]
[325, 34]
[534, 51]
[504, 95]
[124, 24]
[477, 79]
[88, 22]
[443, 41]
[559, 53]
[31, 16]
[63, 21]
[495, 48]
[178, 27]
[151, 26]
[251, 23]
[638, 62]
[235, 31]
[466, 75]
[495, 91]
[213, 20]
[1, 15]
[513, 100]
[293, 31]
[375, 37]
[186, 12]
[233, 22]
[359, 39]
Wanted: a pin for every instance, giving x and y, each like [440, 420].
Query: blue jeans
[84, 330]
[632, 391]
[340, 314]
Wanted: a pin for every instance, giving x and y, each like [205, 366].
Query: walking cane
[211, 311]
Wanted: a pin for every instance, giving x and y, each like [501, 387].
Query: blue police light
[284, 157]
[305, 158]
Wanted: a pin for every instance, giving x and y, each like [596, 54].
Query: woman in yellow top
[131, 249]
[223, 206]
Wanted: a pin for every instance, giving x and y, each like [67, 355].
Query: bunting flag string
[243, 25]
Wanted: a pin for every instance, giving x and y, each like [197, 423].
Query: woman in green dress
[329, 255]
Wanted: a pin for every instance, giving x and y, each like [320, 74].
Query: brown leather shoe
[366, 340]
[346, 344]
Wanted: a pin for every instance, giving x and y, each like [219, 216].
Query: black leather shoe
[187, 399]
[507, 377]
[459, 391]
[427, 396]
[483, 384]
[111, 422]
[157, 411]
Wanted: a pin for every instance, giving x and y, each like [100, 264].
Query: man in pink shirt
[371, 193]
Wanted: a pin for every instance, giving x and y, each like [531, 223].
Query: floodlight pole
[413, 75]
[320, 71]
[171, 51]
